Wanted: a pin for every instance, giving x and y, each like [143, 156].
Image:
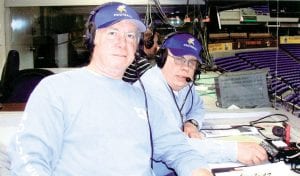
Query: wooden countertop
[12, 106]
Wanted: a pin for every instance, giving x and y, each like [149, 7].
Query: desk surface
[10, 119]
[10, 115]
[244, 116]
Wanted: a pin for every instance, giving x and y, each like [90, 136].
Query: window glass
[49, 36]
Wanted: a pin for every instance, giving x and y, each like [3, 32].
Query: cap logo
[190, 43]
[122, 11]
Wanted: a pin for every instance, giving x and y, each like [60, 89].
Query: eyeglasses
[113, 34]
[181, 61]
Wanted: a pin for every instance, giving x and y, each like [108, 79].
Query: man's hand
[191, 130]
[251, 153]
[201, 172]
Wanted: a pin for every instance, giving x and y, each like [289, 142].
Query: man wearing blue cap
[89, 122]
[171, 83]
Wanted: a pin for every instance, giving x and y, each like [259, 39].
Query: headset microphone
[278, 131]
[283, 132]
[187, 79]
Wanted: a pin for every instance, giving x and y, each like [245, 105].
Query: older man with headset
[171, 82]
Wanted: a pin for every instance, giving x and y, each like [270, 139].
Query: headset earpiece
[162, 53]
[197, 72]
[198, 68]
[89, 36]
[91, 28]
[150, 41]
[161, 57]
[278, 131]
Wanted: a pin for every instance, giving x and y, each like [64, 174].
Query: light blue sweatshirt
[156, 86]
[84, 124]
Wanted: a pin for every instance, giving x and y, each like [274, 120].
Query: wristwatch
[194, 122]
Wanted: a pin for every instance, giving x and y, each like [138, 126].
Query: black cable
[177, 106]
[147, 113]
[258, 121]
[190, 90]
[295, 169]
[252, 124]
[184, 101]
[192, 101]
[261, 133]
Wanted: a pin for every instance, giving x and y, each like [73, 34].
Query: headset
[150, 41]
[91, 27]
[282, 132]
[162, 54]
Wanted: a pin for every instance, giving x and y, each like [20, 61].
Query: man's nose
[121, 40]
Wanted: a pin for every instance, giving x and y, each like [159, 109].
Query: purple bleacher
[262, 9]
[295, 100]
[280, 86]
[261, 66]
[296, 81]
[275, 82]
[289, 97]
[235, 64]
[256, 53]
[243, 67]
[287, 73]
[279, 62]
[279, 71]
[225, 59]
[282, 90]
[269, 60]
[289, 77]
[230, 63]
[295, 85]
[273, 65]
[292, 49]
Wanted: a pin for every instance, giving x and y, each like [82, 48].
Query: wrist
[193, 122]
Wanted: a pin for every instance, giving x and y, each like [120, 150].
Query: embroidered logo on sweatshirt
[141, 113]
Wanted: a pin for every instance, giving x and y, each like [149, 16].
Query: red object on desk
[287, 136]
[12, 106]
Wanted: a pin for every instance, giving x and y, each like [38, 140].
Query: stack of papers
[270, 169]
[215, 131]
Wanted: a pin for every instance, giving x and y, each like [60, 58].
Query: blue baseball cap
[183, 44]
[114, 12]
